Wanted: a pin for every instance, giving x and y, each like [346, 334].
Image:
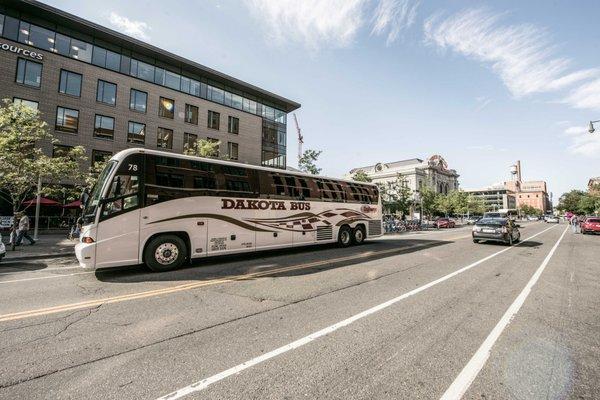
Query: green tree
[428, 198]
[203, 148]
[588, 204]
[445, 203]
[22, 161]
[308, 161]
[570, 201]
[361, 176]
[475, 205]
[530, 210]
[396, 196]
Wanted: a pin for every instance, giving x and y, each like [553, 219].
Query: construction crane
[300, 137]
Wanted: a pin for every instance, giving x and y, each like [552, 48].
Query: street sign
[6, 221]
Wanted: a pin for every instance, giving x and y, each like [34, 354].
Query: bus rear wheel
[345, 236]
[165, 253]
[358, 235]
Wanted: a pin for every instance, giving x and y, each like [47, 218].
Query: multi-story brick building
[106, 91]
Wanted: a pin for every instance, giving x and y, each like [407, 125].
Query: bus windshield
[89, 212]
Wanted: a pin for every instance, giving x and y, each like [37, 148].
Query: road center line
[193, 285]
[206, 382]
[466, 377]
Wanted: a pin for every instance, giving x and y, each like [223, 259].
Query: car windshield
[594, 220]
[91, 205]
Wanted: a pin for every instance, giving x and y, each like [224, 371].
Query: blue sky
[481, 83]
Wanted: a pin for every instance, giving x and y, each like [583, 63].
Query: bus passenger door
[118, 237]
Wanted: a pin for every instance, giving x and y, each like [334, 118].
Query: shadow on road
[527, 243]
[241, 264]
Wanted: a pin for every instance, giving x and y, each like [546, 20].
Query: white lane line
[45, 277]
[466, 377]
[206, 382]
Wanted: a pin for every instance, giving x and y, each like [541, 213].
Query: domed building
[417, 173]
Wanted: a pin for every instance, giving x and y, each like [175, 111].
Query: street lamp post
[591, 128]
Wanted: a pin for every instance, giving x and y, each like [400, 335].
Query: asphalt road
[416, 316]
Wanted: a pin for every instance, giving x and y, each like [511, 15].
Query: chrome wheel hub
[345, 237]
[166, 253]
[358, 235]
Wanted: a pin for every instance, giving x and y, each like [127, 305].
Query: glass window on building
[99, 156]
[67, 120]
[136, 133]
[81, 51]
[28, 103]
[41, 37]
[138, 100]
[104, 127]
[189, 140]
[70, 83]
[166, 108]
[106, 93]
[214, 119]
[191, 114]
[29, 73]
[232, 150]
[233, 125]
[10, 29]
[172, 80]
[217, 153]
[164, 139]
[62, 44]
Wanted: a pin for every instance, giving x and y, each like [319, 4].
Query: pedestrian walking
[575, 224]
[14, 231]
[24, 231]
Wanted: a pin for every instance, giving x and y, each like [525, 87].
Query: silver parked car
[497, 230]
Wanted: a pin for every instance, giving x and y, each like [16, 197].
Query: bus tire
[359, 235]
[345, 236]
[165, 253]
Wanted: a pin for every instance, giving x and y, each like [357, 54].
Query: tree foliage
[580, 202]
[396, 196]
[203, 148]
[308, 162]
[361, 176]
[530, 210]
[22, 161]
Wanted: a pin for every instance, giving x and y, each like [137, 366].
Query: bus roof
[120, 156]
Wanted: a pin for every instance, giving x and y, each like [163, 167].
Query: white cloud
[394, 16]
[313, 23]
[522, 54]
[332, 23]
[582, 142]
[585, 96]
[137, 29]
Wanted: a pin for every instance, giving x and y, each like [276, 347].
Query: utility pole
[300, 137]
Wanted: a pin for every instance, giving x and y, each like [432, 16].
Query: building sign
[6, 221]
[20, 50]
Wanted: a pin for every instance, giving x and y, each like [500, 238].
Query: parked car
[590, 225]
[497, 230]
[445, 223]
[552, 219]
[2, 249]
[532, 218]
[472, 220]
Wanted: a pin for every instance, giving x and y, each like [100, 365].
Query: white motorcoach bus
[164, 209]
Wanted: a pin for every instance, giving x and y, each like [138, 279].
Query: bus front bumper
[86, 254]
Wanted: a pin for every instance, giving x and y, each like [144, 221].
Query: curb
[37, 256]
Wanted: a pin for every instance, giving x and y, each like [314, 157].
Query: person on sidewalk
[23, 231]
[575, 224]
[14, 231]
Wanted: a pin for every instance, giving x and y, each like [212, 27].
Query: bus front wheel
[345, 236]
[165, 253]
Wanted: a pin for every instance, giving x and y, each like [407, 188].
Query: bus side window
[122, 196]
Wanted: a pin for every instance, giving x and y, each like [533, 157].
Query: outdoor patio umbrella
[43, 202]
[73, 204]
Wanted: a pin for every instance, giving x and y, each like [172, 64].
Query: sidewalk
[51, 245]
